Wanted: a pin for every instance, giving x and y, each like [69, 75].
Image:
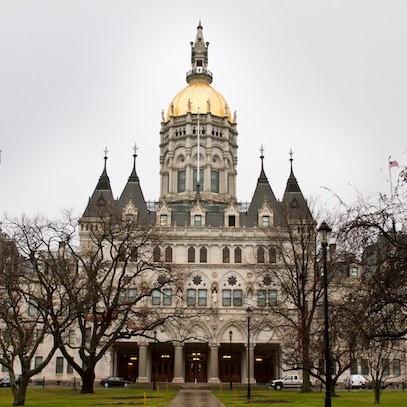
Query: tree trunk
[306, 362]
[377, 392]
[333, 389]
[88, 379]
[19, 392]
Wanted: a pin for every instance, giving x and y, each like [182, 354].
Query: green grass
[289, 398]
[59, 397]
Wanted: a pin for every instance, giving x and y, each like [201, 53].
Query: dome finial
[133, 176]
[199, 59]
[291, 159]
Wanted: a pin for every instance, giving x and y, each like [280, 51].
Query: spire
[133, 176]
[262, 176]
[102, 197]
[292, 184]
[199, 58]
[104, 182]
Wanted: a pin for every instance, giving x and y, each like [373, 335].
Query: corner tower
[198, 120]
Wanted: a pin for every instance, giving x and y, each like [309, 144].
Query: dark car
[114, 381]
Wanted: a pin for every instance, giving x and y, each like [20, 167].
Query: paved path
[195, 398]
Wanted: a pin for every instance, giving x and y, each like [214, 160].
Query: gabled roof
[132, 193]
[294, 203]
[102, 197]
[263, 193]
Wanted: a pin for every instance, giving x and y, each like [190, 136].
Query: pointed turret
[132, 198]
[199, 58]
[102, 197]
[262, 194]
[293, 199]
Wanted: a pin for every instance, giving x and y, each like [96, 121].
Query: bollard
[43, 383]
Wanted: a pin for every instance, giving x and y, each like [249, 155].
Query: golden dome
[199, 94]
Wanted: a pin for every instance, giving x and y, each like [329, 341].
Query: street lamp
[230, 360]
[153, 359]
[249, 312]
[324, 230]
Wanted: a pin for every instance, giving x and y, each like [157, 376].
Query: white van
[355, 381]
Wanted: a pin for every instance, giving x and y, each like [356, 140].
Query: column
[252, 379]
[142, 363]
[213, 373]
[178, 363]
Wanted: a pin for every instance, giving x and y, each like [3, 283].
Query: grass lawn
[59, 397]
[289, 398]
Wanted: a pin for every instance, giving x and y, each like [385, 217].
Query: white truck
[288, 381]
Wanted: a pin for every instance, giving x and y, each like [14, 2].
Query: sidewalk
[195, 398]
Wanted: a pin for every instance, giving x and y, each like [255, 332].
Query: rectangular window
[364, 367]
[273, 297]
[197, 220]
[265, 220]
[167, 296]
[181, 178]
[354, 272]
[131, 294]
[69, 368]
[37, 361]
[32, 308]
[156, 297]
[353, 366]
[202, 297]
[396, 367]
[88, 335]
[261, 298]
[232, 220]
[215, 181]
[163, 220]
[191, 297]
[386, 367]
[201, 179]
[226, 298]
[59, 365]
[237, 298]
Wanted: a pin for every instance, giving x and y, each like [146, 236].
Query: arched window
[168, 254]
[203, 255]
[238, 255]
[226, 255]
[272, 255]
[157, 254]
[191, 255]
[260, 255]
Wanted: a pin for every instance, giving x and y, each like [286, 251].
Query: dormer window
[232, 220]
[265, 220]
[197, 220]
[198, 63]
[163, 220]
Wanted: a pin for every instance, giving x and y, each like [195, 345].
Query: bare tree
[300, 288]
[104, 284]
[23, 325]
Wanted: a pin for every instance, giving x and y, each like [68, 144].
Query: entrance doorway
[264, 364]
[162, 365]
[230, 363]
[196, 363]
[127, 364]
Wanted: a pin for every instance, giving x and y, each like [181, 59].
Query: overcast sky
[325, 78]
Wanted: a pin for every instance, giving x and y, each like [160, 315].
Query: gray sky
[327, 78]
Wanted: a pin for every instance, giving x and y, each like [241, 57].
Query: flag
[393, 163]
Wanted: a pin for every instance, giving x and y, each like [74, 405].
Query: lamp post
[324, 230]
[153, 360]
[249, 312]
[230, 360]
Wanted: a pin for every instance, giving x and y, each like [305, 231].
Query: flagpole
[390, 179]
[198, 160]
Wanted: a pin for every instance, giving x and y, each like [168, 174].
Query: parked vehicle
[114, 381]
[356, 381]
[289, 381]
[5, 381]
